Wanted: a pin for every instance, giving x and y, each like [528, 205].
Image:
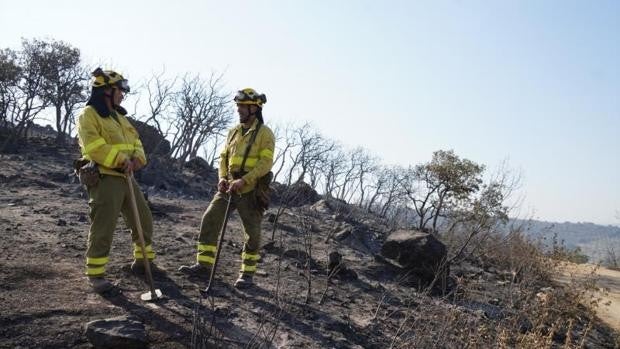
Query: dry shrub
[517, 306]
[541, 315]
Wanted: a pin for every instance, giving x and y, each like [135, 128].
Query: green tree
[24, 96]
[9, 77]
[445, 181]
[42, 74]
[65, 82]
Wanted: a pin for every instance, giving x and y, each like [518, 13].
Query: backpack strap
[247, 150]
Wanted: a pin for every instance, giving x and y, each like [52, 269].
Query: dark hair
[97, 101]
[259, 115]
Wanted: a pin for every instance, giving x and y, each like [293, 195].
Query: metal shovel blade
[205, 292]
[148, 296]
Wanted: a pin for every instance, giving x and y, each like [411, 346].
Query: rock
[367, 238]
[271, 218]
[334, 207]
[416, 252]
[201, 167]
[337, 267]
[322, 206]
[118, 332]
[335, 259]
[152, 140]
[343, 233]
[347, 274]
[338, 217]
[297, 194]
[304, 193]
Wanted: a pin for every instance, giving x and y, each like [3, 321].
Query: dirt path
[607, 279]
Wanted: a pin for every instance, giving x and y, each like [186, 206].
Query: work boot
[100, 285]
[244, 281]
[137, 267]
[195, 270]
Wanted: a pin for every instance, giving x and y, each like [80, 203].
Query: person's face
[117, 96]
[246, 112]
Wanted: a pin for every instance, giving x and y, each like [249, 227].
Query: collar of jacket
[252, 127]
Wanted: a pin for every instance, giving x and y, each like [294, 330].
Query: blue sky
[533, 82]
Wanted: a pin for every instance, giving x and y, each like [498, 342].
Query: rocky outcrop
[201, 167]
[332, 206]
[417, 253]
[297, 194]
[152, 140]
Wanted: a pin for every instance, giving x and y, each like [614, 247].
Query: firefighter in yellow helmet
[112, 144]
[239, 179]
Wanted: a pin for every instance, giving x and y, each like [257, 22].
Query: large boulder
[161, 172]
[201, 167]
[416, 253]
[294, 195]
[152, 140]
[194, 178]
[332, 206]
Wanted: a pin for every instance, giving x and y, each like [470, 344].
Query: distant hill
[593, 239]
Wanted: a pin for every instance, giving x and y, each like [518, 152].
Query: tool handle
[134, 208]
[219, 245]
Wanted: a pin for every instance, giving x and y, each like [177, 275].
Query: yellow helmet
[104, 78]
[250, 96]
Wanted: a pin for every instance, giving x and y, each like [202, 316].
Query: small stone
[117, 332]
[271, 218]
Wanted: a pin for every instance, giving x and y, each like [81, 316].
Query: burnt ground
[45, 300]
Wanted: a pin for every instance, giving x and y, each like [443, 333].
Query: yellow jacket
[259, 160]
[108, 141]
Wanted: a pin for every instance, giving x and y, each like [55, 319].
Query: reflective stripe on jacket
[108, 141]
[259, 160]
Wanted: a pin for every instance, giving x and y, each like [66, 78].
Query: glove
[222, 186]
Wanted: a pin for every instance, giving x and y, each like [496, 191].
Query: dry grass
[507, 300]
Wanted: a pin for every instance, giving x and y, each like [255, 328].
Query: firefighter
[113, 147]
[239, 185]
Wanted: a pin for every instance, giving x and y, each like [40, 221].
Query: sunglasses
[123, 85]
